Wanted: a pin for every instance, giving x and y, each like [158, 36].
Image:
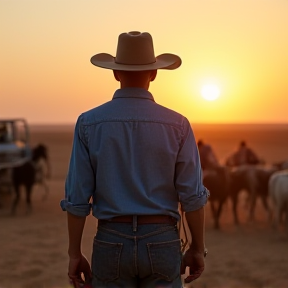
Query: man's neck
[136, 85]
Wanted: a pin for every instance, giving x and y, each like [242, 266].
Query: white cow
[278, 191]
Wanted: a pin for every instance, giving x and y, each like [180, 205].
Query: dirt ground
[33, 248]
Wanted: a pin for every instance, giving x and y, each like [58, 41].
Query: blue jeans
[149, 257]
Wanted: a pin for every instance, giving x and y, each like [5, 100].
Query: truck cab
[15, 147]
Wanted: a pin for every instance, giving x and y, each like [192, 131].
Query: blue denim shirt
[132, 156]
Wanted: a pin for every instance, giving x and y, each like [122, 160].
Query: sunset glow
[46, 46]
[210, 92]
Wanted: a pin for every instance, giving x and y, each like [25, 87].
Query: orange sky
[240, 45]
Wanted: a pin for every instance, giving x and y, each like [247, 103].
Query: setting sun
[249, 81]
[210, 92]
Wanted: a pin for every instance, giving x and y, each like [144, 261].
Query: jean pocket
[165, 259]
[106, 260]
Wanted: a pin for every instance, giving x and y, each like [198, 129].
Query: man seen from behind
[133, 161]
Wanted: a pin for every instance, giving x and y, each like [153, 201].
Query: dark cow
[254, 180]
[216, 180]
[26, 175]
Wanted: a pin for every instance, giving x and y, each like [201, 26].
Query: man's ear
[153, 75]
[116, 75]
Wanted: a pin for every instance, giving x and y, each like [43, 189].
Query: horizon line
[191, 122]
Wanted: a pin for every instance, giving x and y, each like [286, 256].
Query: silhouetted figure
[207, 156]
[215, 179]
[243, 156]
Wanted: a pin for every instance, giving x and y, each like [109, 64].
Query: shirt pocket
[106, 260]
[165, 259]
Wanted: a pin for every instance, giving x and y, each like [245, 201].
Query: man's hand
[79, 266]
[195, 261]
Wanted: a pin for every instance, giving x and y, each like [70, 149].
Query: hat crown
[135, 48]
[135, 52]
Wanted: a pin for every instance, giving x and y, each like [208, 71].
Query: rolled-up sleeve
[80, 181]
[188, 174]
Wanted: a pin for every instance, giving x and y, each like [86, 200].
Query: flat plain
[253, 255]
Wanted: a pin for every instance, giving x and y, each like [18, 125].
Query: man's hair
[135, 74]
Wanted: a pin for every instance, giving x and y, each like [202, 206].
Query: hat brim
[163, 61]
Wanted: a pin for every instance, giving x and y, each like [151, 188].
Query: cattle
[216, 181]
[278, 192]
[254, 180]
[29, 174]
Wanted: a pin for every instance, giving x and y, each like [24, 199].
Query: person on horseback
[244, 155]
[3, 133]
[208, 157]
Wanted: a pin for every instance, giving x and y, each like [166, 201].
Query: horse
[216, 180]
[254, 180]
[29, 174]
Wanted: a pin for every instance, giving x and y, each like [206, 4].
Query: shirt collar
[133, 92]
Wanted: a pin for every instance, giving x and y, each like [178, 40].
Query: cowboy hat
[135, 52]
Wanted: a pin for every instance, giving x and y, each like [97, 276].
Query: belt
[141, 219]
